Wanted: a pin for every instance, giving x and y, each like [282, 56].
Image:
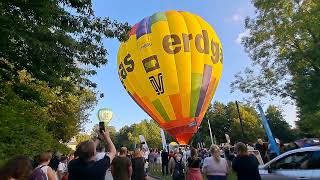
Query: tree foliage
[48, 50]
[111, 129]
[24, 125]
[129, 135]
[279, 127]
[224, 119]
[82, 137]
[284, 46]
[52, 39]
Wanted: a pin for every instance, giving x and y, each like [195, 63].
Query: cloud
[237, 17]
[242, 35]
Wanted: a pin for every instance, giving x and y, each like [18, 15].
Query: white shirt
[100, 155]
[44, 169]
[62, 167]
[188, 153]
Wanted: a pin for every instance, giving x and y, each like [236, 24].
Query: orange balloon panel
[171, 66]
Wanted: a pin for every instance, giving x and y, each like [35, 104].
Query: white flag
[227, 138]
[144, 143]
[163, 138]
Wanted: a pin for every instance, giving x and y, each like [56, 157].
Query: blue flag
[265, 124]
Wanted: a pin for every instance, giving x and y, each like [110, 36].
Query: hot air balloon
[170, 66]
[105, 115]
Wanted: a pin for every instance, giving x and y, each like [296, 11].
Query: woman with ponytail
[215, 167]
[193, 171]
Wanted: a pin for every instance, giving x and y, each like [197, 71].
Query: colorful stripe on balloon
[204, 87]
[144, 27]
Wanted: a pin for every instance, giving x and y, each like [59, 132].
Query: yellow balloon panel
[171, 66]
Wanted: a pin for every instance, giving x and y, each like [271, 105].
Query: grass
[156, 172]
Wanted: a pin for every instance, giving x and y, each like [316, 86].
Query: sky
[226, 17]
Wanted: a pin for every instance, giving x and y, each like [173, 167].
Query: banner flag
[144, 144]
[163, 138]
[265, 124]
[227, 138]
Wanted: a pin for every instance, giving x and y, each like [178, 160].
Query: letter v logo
[157, 83]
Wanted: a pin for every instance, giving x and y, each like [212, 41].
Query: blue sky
[227, 18]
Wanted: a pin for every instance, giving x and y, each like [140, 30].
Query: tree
[23, 125]
[128, 136]
[283, 43]
[122, 138]
[111, 129]
[149, 129]
[57, 43]
[63, 112]
[53, 39]
[251, 123]
[82, 137]
[217, 116]
[279, 127]
[48, 50]
[224, 120]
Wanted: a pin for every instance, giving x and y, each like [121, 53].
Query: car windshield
[292, 161]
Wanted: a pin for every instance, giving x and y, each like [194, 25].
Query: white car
[303, 163]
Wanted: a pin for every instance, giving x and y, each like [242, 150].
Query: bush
[23, 135]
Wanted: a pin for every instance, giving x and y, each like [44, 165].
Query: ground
[109, 177]
[156, 172]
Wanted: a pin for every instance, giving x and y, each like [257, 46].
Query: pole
[241, 123]
[210, 132]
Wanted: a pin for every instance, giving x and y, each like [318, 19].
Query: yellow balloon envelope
[170, 66]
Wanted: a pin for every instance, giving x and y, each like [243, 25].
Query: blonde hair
[123, 150]
[215, 152]
[44, 157]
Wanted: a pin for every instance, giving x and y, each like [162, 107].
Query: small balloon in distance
[105, 115]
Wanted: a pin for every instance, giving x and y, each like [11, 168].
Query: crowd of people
[215, 164]
[92, 160]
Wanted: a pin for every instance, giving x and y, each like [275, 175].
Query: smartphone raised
[101, 127]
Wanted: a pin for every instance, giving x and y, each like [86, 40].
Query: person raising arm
[111, 148]
[87, 166]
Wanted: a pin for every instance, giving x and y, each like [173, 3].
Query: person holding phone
[86, 166]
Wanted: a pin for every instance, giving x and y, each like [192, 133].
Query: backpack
[38, 174]
[178, 170]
